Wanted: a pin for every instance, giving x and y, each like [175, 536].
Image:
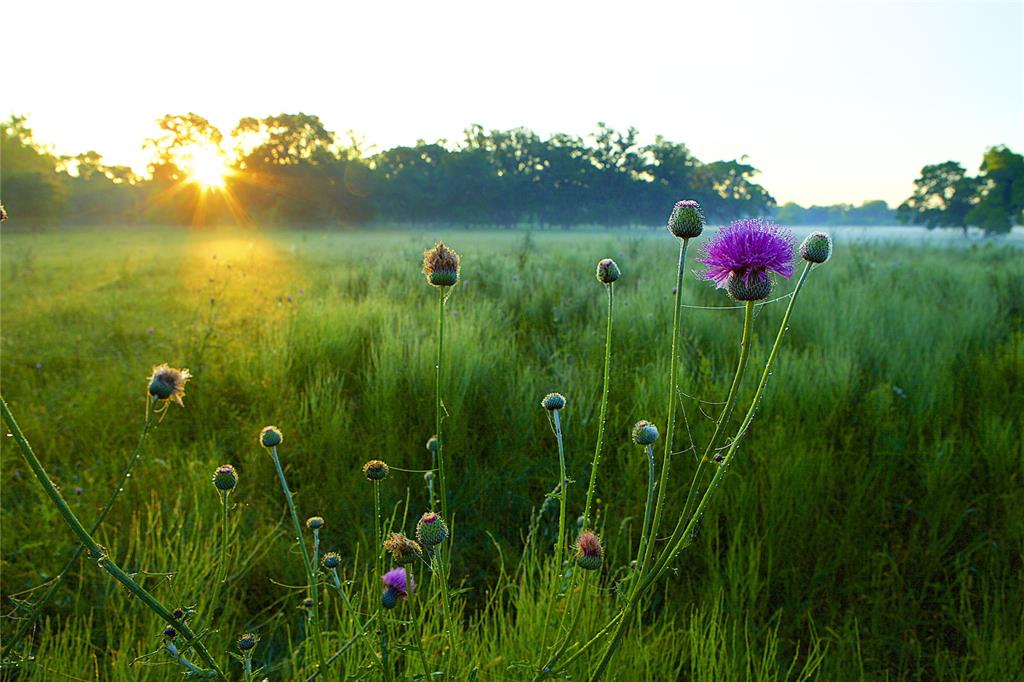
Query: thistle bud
[270, 437]
[589, 554]
[553, 401]
[432, 444]
[308, 602]
[225, 478]
[441, 266]
[816, 248]
[170, 633]
[607, 271]
[644, 433]
[389, 599]
[331, 560]
[686, 220]
[178, 613]
[403, 550]
[376, 470]
[752, 288]
[247, 641]
[315, 522]
[431, 530]
[397, 584]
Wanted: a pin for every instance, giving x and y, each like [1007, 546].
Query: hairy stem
[604, 408]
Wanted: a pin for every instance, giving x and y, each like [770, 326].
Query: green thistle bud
[331, 560]
[270, 437]
[441, 266]
[170, 633]
[644, 433]
[247, 641]
[553, 401]
[432, 444]
[376, 470]
[308, 602]
[757, 288]
[389, 599]
[431, 530]
[686, 220]
[607, 271]
[589, 553]
[225, 478]
[816, 248]
[315, 522]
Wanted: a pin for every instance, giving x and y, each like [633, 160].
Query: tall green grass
[871, 528]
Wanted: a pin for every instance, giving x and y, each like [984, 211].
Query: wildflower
[178, 613]
[315, 522]
[247, 641]
[396, 586]
[441, 266]
[589, 554]
[553, 401]
[79, 490]
[686, 220]
[431, 530]
[607, 271]
[331, 560]
[403, 550]
[741, 256]
[170, 633]
[225, 478]
[376, 470]
[816, 248]
[270, 437]
[644, 433]
[168, 383]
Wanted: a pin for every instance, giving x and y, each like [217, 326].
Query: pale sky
[833, 101]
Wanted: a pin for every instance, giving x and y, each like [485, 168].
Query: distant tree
[1001, 205]
[943, 196]
[32, 189]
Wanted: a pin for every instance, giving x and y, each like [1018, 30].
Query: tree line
[289, 169]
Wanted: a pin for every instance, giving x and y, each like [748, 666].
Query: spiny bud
[247, 641]
[817, 247]
[686, 220]
[225, 478]
[441, 266]
[553, 401]
[389, 599]
[607, 271]
[432, 444]
[589, 554]
[308, 602]
[431, 530]
[752, 288]
[315, 522]
[376, 470]
[644, 433]
[170, 633]
[168, 383]
[331, 560]
[403, 550]
[270, 437]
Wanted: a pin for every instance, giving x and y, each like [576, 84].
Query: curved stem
[310, 580]
[37, 607]
[438, 420]
[645, 536]
[97, 552]
[562, 495]
[604, 408]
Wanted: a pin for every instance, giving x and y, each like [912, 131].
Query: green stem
[97, 552]
[453, 645]
[310, 580]
[549, 665]
[355, 616]
[417, 622]
[224, 537]
[678, 540]
[670, 419]
[593, 640]
[437, 404]
[646, 538]
[248, 666]
[37, 607]
[604, 408]
[560, 543]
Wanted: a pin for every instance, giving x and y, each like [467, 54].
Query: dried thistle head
[376, 470]
[315, 522]
[441, 266]
[403, 550]
[168, 383]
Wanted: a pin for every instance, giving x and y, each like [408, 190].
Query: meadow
[871, 528]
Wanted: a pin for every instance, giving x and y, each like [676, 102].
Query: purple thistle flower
[396, 581]
[750, 248]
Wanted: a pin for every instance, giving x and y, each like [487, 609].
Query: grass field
[872, 527]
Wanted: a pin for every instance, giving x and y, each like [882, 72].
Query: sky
[832, 101]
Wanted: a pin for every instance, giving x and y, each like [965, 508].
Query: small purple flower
[750, 248]
[150, 330]
[396, 581]
[79, 490]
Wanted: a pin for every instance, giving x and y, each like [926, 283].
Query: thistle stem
[438, 420]
[453, 645]
[37, 607]
[604, 408]
[310, 579]
[562, 495]
[224, 536]
[547, 667]
[646, 538]
[103, 561]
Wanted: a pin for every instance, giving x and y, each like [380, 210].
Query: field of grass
[871, 528]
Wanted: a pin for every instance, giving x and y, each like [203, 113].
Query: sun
[205, 165]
